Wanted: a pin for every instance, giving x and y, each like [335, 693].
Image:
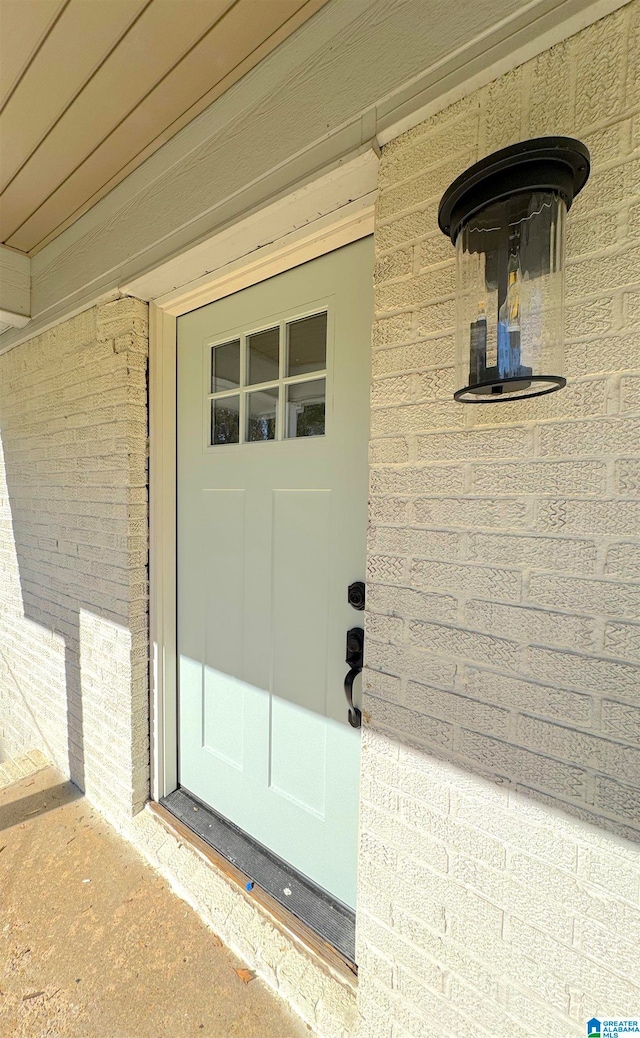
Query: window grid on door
[245, 405]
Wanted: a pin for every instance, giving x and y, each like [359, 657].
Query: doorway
[273, 427]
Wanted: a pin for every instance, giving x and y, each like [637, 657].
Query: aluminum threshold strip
[332, 920]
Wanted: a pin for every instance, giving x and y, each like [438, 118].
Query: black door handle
[355, 659]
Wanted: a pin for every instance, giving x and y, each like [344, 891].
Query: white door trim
[334, 211]
[162, 551]
[342, 194]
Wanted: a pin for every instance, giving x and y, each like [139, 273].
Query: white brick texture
[73, 552]
[500, 869]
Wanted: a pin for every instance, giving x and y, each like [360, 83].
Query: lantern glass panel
[510, 315]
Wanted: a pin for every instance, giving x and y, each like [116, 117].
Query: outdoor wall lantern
[506, 217]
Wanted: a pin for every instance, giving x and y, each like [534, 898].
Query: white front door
[273, 425]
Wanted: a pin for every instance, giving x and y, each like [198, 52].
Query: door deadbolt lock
[356, 595]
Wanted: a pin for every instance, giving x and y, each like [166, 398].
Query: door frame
[282, 235]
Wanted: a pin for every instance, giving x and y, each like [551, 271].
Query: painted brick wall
[500, 865]
[73, 551]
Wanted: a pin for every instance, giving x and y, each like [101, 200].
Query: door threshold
[320, 921]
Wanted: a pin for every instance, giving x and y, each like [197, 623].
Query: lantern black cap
[558, 164]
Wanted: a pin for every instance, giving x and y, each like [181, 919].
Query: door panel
[273, 391]
[301, 546]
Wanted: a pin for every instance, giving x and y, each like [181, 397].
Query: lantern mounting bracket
[559, 164]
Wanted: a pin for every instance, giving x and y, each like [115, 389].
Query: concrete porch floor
[94, 944]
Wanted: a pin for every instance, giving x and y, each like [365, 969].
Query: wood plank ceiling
[90, 88]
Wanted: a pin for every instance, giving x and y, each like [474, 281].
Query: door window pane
[225, 420]
[225, 366]
[262, 407]
[263, 356]
[305, 408]
[307, 345]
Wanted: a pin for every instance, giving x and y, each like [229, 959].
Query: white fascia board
[15, 287]
[330, 211]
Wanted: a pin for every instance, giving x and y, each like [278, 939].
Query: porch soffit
[355, 75]
[89, 90]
